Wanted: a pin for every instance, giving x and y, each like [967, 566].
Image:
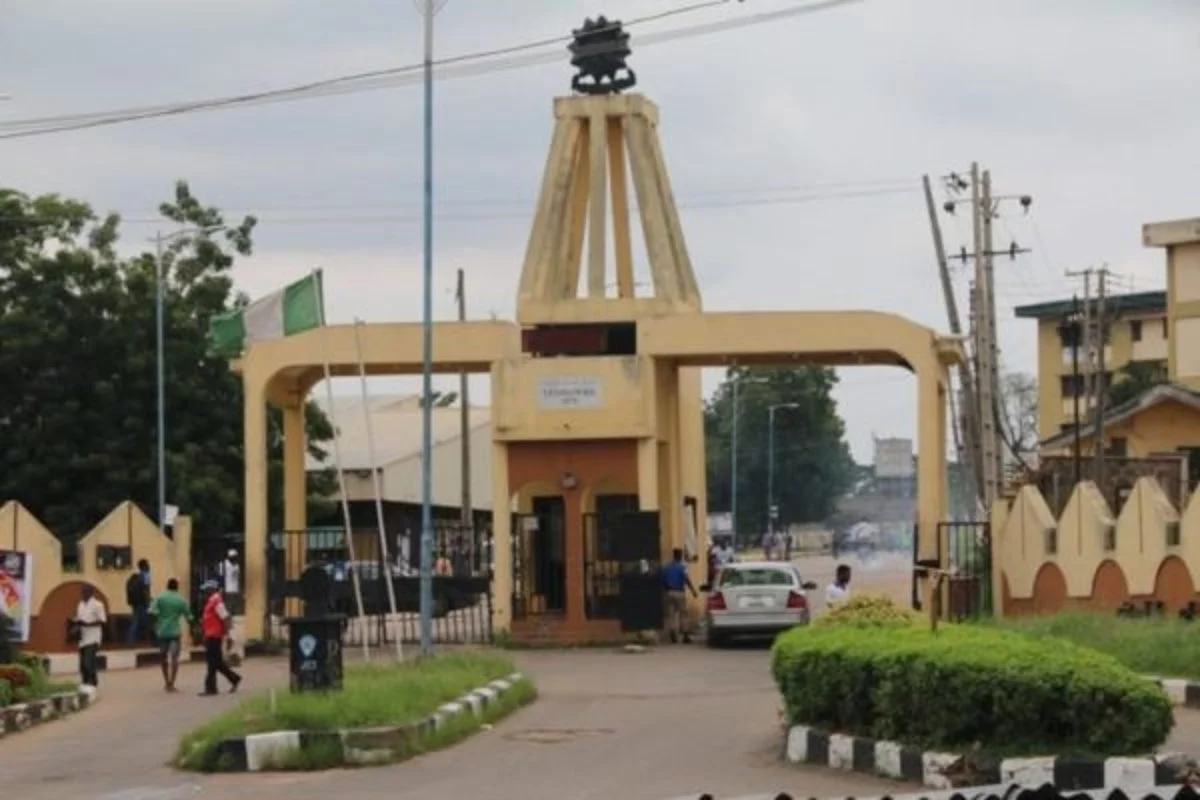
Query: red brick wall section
[1109, 588]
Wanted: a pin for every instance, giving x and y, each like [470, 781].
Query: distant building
[396, 425]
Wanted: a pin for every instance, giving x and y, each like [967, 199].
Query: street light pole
[160, 302]
[428, 8]
[733, 463]
[771, 462]
[160, 359]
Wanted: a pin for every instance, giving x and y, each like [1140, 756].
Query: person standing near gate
[676, 582]
[90, 618]
[215, 623]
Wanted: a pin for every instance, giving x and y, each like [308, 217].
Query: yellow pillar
[502, 551]
[182, 543]
[295, 497]
[255, 502]
[931, 457]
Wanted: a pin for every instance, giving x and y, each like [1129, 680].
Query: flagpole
[386, 566]
[337, 461]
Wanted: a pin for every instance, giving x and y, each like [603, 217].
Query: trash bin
[315, 652]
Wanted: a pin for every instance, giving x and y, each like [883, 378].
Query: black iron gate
[601, 569]
[462, 582]
[966, 550]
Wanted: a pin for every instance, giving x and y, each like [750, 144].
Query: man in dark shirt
[676, 582]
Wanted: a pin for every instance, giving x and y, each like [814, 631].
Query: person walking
[676, 582]
[231, 576]
[137, 594]
[169, 609]
[90, 619]
[214, 623]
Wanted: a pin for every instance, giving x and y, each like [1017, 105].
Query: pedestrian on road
[214, 622]
[676, 582]
[839, 590]
[168, 610]
[137, 594]
[90, 619]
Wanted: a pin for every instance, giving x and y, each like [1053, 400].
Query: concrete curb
[1182, 692]
[998, 792]
[257, 752]
[59, 664]
[944, 771]
[22, 716]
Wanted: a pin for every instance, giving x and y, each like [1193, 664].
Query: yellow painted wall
[1088, 534]
[124, 526]
[1162, 428]
[20, 530]
[624, 409]
[1056, 409]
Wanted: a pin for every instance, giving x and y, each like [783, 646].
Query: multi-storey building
[1138, 331]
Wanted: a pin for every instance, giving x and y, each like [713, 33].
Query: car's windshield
[756, 576]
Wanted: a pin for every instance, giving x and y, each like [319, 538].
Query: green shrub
[6, 693]
[868, 611]
[964, 686]
[1167, 647]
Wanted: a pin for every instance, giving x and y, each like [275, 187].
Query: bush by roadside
[374, 695]
[868, 611]
[1168, 648]
[964, 687]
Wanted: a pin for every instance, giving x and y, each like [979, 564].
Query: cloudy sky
[796, 146]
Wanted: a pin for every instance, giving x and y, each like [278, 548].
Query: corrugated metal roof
[396, 425]
[1115, 304]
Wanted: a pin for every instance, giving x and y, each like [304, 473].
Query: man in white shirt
[839, 590]
[91, 617]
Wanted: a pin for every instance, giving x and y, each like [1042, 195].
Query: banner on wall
[16, 590]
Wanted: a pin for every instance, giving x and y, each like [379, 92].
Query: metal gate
[601, 570]
[462, 583]
[966, 550]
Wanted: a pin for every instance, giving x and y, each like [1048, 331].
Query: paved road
[652, 725]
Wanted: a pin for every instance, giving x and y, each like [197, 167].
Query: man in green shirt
[168, 609]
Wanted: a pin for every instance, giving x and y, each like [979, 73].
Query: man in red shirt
[214, 623]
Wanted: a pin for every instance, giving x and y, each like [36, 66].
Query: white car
[755, 598]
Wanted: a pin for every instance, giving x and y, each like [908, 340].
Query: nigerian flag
[293, 309]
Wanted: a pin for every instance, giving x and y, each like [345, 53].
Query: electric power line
[456, 66]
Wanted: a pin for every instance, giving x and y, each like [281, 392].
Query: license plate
[756, 602]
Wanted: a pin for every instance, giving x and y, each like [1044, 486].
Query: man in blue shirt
[676, 582]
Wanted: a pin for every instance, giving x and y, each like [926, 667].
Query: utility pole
[966, 447]
[1101, 377]
[984, 345]
[464, 393]
[1089, 344]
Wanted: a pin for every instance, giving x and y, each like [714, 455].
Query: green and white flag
[293, 309]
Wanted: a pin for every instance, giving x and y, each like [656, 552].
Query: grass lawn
[1168, 648]
[373, 695]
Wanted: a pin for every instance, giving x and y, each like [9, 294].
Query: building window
[1135, 330]
[1118, 447]
[1072, 385]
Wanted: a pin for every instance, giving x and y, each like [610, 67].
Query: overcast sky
[1087, 105]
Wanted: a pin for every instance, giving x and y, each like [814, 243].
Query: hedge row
[965, 686]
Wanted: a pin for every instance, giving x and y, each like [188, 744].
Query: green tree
[813, 466]
[77, 348]
[1134, 379]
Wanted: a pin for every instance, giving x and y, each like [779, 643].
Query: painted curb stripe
[804, 745]
[258, 752]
